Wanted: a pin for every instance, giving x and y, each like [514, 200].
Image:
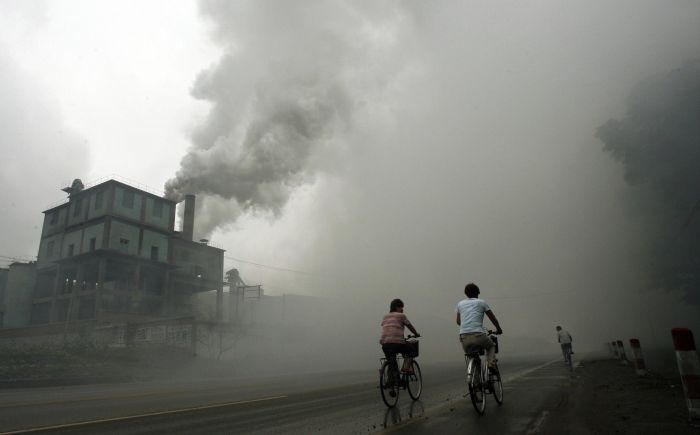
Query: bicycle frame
[399, 363]
[472, 358]
[480, 380]
[395, 379]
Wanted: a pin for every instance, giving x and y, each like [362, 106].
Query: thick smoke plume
[658, 142]
[281, 96]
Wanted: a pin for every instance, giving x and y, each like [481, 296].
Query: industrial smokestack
[188, 220]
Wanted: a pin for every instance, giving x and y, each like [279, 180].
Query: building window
[54, 218]
[124, 245]
[49, 249]
[158, 209]
[98, 200]
[71, 249]
[77, 207]
[128, 199]
[154, 253]
[93, 242]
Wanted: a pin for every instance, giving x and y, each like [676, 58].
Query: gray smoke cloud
[284, 91]
[461, 147]
[658, 144]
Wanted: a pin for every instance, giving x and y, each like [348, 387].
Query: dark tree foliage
[658, 144]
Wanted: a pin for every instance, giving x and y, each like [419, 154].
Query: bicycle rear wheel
[476, 385]
[569, 362]
[496, 384]
[415, 381]
[388, 385]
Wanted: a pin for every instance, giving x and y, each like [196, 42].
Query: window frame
[124, 245]
[154, 250]
[158, 207]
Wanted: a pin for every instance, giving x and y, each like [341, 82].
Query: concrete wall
[59, 223]
[72, 238]
[120, 207]
[61, 243]
[121, 230]
[158, 216]
[177, 333]
[45, 258]
[194, 259]
[153, 239]
[78, 209]
[98, 203]
[18, 294]
[93, 231]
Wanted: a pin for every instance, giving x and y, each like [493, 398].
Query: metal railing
[116, 177]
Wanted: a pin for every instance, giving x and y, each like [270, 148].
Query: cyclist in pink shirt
[392, 339]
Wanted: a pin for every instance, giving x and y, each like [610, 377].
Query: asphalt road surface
[346, 402]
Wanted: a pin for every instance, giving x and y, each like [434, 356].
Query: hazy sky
[389, 149]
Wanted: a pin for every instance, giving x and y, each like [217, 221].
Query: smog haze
[360, 151]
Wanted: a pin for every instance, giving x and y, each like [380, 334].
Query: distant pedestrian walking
[565, 340]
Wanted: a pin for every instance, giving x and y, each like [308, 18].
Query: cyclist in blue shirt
[470, 318]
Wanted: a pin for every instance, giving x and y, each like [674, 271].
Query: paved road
[347, 402]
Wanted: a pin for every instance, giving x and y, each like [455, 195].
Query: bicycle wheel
[496, 384]
[569, 362]
[415, 381]
[389, 387]
[476, 385]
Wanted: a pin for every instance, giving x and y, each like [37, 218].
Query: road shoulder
[609, 397]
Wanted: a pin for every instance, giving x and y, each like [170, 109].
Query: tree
[658, 144]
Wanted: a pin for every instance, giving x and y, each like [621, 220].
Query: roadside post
[689, 368]
[623, 357]
[640, 367]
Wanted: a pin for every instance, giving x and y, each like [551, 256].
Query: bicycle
[391, 382]
[482, 379]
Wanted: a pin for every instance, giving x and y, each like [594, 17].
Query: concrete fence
[689, 368]
[639, 365]
[178, 333]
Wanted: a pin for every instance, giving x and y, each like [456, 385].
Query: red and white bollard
[689, 366]
[621, 348]
[640, 367]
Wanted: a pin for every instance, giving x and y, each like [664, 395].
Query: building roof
[113, 180]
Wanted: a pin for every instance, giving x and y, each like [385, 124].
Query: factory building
[110, 253]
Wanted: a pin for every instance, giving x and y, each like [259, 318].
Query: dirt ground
[609, 398]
